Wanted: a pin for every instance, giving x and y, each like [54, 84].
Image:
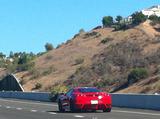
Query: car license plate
[93, 102]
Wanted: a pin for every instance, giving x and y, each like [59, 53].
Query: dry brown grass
[63, 58]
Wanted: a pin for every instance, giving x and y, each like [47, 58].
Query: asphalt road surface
[22, 109]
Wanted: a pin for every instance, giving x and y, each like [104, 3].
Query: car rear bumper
[93, 106]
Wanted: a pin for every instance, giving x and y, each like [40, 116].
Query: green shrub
[48, 71]
[35, 73]
[81, 31]
[38, 86]
[155, 19]
[107, 21]
[25, 67]
[158, 69]
[91, 34]
[103, 82]
[120, 26]
[11, 68]
[59, 89]
[119, 18]
[56, 90]
[79, 61]
[105, 40]
[49, 46]
[137, 74]
[22, 82]
[138, 18]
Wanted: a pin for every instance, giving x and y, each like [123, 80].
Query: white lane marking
[132, 112]
[8, 107]
[33, 110]
[52, 113]
[78, 116]
[94, 117]
[28, 102]
[19, 108]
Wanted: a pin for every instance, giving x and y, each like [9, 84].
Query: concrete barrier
[38, 96]
[140, 101]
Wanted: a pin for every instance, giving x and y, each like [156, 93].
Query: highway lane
[22, 109]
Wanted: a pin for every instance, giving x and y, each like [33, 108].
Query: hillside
[102, 57]
[3, 72]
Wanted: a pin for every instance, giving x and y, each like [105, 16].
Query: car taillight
[81, 95]
[100, 97]
[106, 94]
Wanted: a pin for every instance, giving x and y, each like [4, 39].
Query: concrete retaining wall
[26, 95]
[118, 100]
[10, 83]
[136, 101]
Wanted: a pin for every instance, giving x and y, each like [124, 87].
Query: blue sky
[26, 25]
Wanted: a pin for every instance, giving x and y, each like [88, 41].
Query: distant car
[84, 98]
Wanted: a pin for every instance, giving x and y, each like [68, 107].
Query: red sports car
[85, 98]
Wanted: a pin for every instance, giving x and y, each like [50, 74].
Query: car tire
[72, 106]
[93, 110]
[107, 110]
[60, 107]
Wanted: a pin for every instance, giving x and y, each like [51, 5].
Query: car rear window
[87, 90]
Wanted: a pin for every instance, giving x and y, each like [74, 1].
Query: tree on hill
[107, 21]
[48, 47]
[119, 18]
[138, 17]
[2, 55]
[155, 19]
[11, 54]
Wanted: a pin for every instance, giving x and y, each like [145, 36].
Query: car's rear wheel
[107, 110]
[60, 107]
[93, 110]
[72, 106]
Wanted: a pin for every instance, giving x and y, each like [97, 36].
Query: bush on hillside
[119, 18]
[22, 82]
[79, 61]
[138, 17]
[155, 19]
[81, 31]
[137, 74]
[25, 67]
[120, 26]
[48, 47]
[103, 83]
[37, 86]
[107, 21]
[90, 34]
[106, 40]
[57, 89]
[48, 71]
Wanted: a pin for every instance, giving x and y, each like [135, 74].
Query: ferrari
[85, 98]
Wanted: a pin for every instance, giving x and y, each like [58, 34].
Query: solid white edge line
[28, 102]
[133, 112]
